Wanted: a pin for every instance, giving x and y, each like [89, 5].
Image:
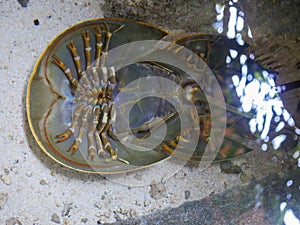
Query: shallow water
[35, 190]
[275, 29]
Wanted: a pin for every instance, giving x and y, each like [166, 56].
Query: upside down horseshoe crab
[68, 110]
[71, 98]
[71, 94]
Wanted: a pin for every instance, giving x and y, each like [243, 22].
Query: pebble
[100, 221]
[67, 209]
[66, 221]
[138, 203]
[29, 173]
[5, 179]
[55, 218]
[14, 170]
[44, 182]
[84, 220]
[187, 194]
[98, 205]
[36, 22]
[107, 214]
[158, 190]
[133, 212]
[5, 67]
[146, 203]
[13, 221]
[3, 199]
[123, 210]
[6, 171]
[228, 168]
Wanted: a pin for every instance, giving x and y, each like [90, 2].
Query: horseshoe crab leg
[92, 87]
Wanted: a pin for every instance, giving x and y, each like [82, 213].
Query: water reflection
[290, 218]
[220, 15]
[255, 86]
[259, 95]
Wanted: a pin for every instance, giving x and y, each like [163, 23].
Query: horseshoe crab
[72, 96]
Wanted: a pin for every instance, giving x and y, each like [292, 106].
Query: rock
[14, 170]
[67, 209]
[5, 179]
[44, 182]
[66, 221]
[123, 210]
[5, 67]
[6, 171]
[158, 190]
[187, 194]
[107, 214]
[13, 221]
[98, 205]
[229, 168]
[29, 173]
[84, 220]
[55, 218]
[133, 212]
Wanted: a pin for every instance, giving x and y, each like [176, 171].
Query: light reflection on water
[258, 94]
[290, 218]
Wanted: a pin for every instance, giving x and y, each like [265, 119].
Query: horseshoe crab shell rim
[36, 70]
